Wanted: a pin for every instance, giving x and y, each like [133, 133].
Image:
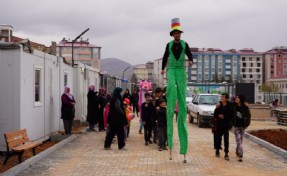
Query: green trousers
[176, 90]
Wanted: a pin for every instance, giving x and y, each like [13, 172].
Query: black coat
[227, 111]
[67, 109]
[117, 115]
[135, 99]
[93, 108]
[155, 113]
[161, 117]
[147, 110]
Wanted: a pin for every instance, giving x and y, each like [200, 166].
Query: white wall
[84, 77]
[31, 115]
[10, 92]
[18, 109]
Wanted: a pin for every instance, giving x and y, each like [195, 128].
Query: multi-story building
[214, 65]
[276, 68]
[150, 71]
[83, 51]
[251, 69]
[141, 72]
[145, 71]
[160, 80]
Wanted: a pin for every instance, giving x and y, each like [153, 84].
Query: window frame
[41, 81]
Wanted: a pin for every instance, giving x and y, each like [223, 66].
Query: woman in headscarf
[116, 120]
[93, 108]
[68, 110]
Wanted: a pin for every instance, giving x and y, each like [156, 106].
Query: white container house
[31, 85]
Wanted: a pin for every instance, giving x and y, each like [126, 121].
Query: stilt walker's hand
[190, 63]
[162, 72]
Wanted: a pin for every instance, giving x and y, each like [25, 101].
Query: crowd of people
[152, 115]
[113, 113]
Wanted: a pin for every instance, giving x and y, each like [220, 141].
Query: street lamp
[124, 72]
[74, 42]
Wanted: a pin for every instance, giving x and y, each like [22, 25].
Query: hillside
[115, 67]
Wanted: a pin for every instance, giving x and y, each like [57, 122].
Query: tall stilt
[170, 156]
[184, 160]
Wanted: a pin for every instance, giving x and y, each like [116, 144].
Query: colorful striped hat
[175, 26]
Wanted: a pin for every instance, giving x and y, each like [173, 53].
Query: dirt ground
[277, 137]
[13, 160]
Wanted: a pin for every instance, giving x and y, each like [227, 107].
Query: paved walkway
[86, 156]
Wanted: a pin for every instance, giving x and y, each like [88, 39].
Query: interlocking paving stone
[86, 156]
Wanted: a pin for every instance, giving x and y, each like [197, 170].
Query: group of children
[153, 116]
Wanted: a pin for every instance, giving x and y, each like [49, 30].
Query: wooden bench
[17, 142]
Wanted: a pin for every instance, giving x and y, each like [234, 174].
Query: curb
[267, 145]
[31, 161]
[264, 119]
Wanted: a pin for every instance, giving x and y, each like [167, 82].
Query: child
[129, 116]
[162, 125]
[147, 118]
[158, 96]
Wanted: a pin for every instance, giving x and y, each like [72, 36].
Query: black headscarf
[117, 93]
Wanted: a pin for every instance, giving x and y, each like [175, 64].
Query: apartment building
[84, 52]
[159, 79]
[214, 65]
[252, 64]
[276, 68]
[144, 71]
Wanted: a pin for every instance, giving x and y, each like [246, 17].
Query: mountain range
[115, 67]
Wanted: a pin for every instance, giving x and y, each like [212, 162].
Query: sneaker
[107, 148]
[146, 143]
[226, 157]
[165, 148]
[160, 149]
[217, 154]
[150, 141]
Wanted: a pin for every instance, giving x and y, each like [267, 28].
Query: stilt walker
[176, 85]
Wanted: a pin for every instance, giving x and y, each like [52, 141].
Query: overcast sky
[137, 31]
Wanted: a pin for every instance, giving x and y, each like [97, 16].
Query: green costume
[176, 89]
